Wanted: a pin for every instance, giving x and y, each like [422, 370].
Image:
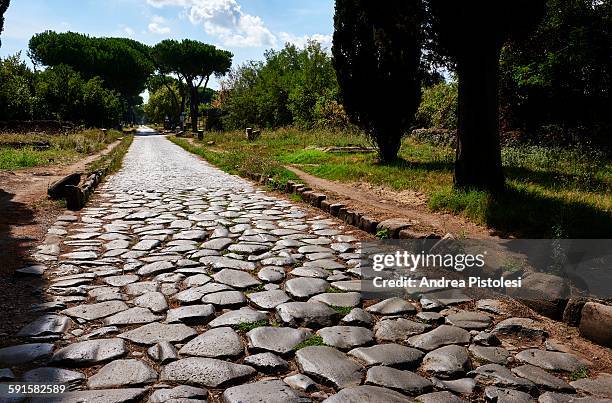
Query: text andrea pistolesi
[409, 263]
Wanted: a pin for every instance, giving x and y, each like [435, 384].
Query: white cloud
[129, 31]
[301, 41]
[225, 20]
[157, 25]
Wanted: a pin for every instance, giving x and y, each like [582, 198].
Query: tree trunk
[193, 94]
[478, 164]
[388, 147]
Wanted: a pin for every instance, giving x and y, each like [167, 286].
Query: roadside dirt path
[382, 203]
[25, 216]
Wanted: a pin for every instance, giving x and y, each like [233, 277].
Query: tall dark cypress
[376, 50]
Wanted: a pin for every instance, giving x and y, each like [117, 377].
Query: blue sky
[245, 27]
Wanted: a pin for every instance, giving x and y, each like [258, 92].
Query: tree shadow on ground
[525, 214]
[557, 180]
[401, 163]
[17, 294]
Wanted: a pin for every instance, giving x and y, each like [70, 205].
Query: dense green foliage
[439, 106]
[377, 52]
[122, 63]
[16, 89]
[58, 93]
[161, 104]
[557, 80]
[194, 63]
[291, 86]
[4, 4]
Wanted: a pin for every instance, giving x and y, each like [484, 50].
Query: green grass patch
[334, 290]
[551, 192]
[295, 197]
[62, 148]
[246, 327]
[383, 234]
[580, 373]
[312, 341]
[342, 310]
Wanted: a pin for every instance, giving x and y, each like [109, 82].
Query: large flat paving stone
[440, 397]
[343, 299]
[304, 287]
[494, 355]
[403, 381]
[54, 375]
[155, 268]
[154, 333]
[392, 306]
[268, 299]
[97, 396]
[46, 325]
[543, 379]
[209, 372]
[441, 336]
[306, 314]
[155, 301]
[367, 393]
[96, 311]
[329, 365]
[469, 320]
[267, 363]
[391, 355]
[524, 327]
[24, 353]
[181, 393]
[280, 340]
[225, 298]
[346, 337]
[121, 373]
[90, 352]
[503, 395]
[601, 385]
[497, 375]
[215, 343]
[272, 391]
[552, 360]
[236, 278]
[397, 330]
[447, 362]
[191, 315]
[132, 316]
[242, 315]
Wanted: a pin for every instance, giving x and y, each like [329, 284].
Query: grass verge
[551, 192]
[112, 161]
[31, 150]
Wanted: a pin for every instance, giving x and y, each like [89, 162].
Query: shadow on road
[17, 293]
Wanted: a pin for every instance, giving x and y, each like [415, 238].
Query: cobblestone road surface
[180, 283]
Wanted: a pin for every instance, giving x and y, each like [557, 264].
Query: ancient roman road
[182, 282]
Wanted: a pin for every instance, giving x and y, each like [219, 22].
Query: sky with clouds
[245, 27]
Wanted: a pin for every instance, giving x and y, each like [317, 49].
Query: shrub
[15, 89]
[439, 106]
[292, 86]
